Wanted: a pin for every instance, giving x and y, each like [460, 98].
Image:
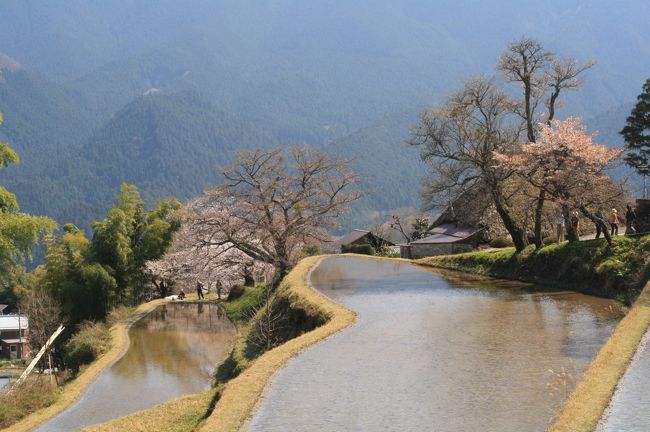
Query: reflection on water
[5, 383]
[628, 410]
[172, 351]
[437, 353]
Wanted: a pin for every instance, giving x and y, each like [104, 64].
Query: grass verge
[178, 415]
[73, 390]
[236, 400]
[592, 395]
[590, 266]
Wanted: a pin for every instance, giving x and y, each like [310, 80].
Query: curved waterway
[172, 351]
[628, 409]
[437, 353]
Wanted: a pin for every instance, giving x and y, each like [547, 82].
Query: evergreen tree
[637, 132]
[128, 237]
[19, 232]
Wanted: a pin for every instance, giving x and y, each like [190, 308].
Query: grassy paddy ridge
[590, 266]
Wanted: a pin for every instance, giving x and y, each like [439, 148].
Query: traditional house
[445, 239]
[356, 237]
[14, 333]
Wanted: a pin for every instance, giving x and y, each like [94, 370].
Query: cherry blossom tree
[568, 166]
[271, 204]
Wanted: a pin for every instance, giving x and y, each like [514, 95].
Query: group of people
[613, 219]
[199, 291]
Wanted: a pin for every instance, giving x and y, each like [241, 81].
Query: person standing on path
[219, 289]
[630, 216]
[613, 222]
[560, 228]
[599, 228]
[199, 290]
[575, 223]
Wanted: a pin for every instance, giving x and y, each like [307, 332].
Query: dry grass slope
[591, 396]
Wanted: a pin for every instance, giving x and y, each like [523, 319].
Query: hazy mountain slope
[284, 71]
[389, 170]
[321, 69]
[168, 144]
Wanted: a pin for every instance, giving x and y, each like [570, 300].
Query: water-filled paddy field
[172, 351]
[434, 352]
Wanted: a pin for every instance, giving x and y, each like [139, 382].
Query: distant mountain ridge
[158, 92]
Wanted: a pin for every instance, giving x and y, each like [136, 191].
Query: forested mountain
[158, 92]
[168, 144]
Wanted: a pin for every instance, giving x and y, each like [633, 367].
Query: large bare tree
[541, 77]
[272, 203]
[485, 117]
[459, 139]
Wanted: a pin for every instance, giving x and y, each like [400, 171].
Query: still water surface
[437, 353]
[5, 383]
[172, 351]
[628, 410]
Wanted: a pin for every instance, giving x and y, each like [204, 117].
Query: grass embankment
[589, 266]
[586, 406]
[72, 391]
[306, 309]
[306, 317]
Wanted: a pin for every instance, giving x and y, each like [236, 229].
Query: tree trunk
[516, 233]
[571, 233]
[539, 210]
[598, 221]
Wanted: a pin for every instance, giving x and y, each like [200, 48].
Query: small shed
[356, 237]
[445, 239]
[14, 333]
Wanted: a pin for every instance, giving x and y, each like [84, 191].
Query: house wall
[21, 350]
[418, 251]
[5, 348]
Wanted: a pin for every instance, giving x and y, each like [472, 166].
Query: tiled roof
[447, 233]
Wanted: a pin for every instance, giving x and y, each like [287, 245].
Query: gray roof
[3, 307]
[353, 236]
[350, 237]
[10, 322]
[448, 233]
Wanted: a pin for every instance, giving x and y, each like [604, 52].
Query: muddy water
[437, 353]
[628, 410]
[172, 351]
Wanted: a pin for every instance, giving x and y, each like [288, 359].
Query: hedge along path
[72, 391]
[240, 396]
[592, 395]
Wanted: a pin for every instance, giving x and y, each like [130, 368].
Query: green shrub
[362, 249]
[244, 300]
[86, 345]
[501, 242]
[312, 250]
[549, 240]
